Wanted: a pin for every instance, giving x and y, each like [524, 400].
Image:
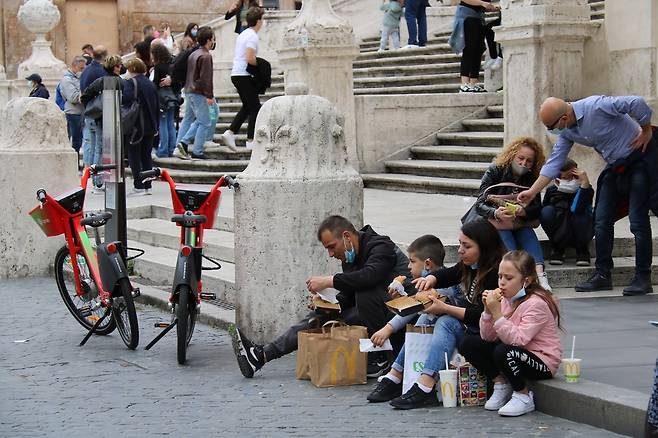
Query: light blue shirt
[609, 124]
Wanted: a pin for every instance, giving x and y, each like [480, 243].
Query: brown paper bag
[304, 337]
[335, 358]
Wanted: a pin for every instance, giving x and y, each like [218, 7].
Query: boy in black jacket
[369, 262]
[566, 215]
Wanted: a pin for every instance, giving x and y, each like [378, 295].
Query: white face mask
[568, 186]
[519, 170]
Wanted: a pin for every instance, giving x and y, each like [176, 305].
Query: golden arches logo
[350, 362]
[571, 368]
[447, 388]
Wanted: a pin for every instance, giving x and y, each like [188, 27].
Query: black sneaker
[556, 258]
[386, 390]
[377, 365]
[415, 398]
[596, 282]
[249, 355]
[197, 157]
[639, 286]
[583, 258]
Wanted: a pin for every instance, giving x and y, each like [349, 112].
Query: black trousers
[250, 104]
[365, 309]
[139, 157]
[490, 36]
[495, 358]
[473, 48]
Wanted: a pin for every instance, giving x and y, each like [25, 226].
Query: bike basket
[48, 220]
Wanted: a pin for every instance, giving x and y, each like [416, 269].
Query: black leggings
[250, 104]
[495, 358]
[490, 35]
[139, 157]
[473, 47]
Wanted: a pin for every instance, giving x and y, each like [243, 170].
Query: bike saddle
[96, 220]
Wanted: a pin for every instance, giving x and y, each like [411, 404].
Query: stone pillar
[29, 159]
[543, 56]
[318, 50]
[633, 55]
[298, 175]
[40, 17]
[4, 87]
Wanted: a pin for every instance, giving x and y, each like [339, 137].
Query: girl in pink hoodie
[519, 336]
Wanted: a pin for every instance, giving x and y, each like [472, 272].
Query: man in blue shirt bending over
[619, 129]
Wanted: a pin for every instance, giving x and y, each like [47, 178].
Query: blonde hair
[524, 263]
[136, 65]
[111, 62]
[509, 152]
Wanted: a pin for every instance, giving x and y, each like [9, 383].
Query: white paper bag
[416, 349]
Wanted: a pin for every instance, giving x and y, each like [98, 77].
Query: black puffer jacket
[500, 174]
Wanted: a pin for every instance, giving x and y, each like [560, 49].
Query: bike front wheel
[125, 315]
[186, 315]
[80, 306]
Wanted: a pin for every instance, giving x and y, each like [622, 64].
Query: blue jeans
[167, 133]
[74, 129]
[196, 122]
[414, 14]
[393, 33]
[93, 152]
[526, 239]
[448, 333]
[638, 215]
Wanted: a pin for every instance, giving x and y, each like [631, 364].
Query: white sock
[426, 389]
[392, 378]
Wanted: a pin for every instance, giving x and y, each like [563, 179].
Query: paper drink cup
[449, 388]
[571, 369]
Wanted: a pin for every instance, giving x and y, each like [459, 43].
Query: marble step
[494, 139]
[455, 153]
[438, 168]
[427, 50]
[405, 70]
[497, 111]
[421, 184]
[370, 42]
[207, 165]
[488, 125]
[408, 58]
[404, 81]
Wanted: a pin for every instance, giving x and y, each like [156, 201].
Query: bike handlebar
[41, 195]
[189, 219]
[95, 168]
[230, 182]
[96, 220]
[153, 173]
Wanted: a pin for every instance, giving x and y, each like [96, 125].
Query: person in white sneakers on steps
[246, 49]
[518, 338]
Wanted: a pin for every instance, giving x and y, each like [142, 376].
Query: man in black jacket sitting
[369, 262]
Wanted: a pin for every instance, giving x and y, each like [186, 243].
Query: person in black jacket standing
[37, 87]
[369, 264]
[139, 153]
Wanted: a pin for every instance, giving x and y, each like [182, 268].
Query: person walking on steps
[246, 49]
[619, 129]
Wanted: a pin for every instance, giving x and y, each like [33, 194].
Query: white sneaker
[250, 144]
[136, 192]
[410, 46]
[543, 281]
[501, 395]
[519, 404]
[381, 50]
[229, 139]
[497, 64]
[180, 152]
[211, 144]
[464, 88]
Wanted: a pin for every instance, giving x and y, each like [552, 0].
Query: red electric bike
[94, 285]
[195, 209]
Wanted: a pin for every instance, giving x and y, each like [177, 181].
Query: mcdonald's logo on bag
[447, 388]
[350, 362]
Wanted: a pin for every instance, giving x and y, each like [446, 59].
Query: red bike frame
[54, 220]
[208, 209]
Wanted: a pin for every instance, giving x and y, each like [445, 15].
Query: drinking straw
[445, 354]
[573, 346]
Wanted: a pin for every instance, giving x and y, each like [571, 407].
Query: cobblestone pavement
[51, 387]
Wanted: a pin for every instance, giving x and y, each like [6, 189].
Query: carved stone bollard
[297, 176]
[34, 153]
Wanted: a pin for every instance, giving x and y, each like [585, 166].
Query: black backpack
[179, 66]
[132, 119]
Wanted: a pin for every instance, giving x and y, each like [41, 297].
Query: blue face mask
[424, 272]
[193, 32]
[350, 254]
[556, 131]
[475, 266]
[520, 294]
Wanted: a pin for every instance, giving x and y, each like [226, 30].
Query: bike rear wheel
[75, 303]
[125, 315]
[186, 315]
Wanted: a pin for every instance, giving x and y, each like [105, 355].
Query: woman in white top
[246, 49]
[166, 37]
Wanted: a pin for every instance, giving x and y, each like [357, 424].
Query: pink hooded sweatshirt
[532, 326]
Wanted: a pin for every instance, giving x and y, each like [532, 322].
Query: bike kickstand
[95, 326]
[162, 333]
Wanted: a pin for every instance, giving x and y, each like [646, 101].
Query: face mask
[556, 131]
[350, 255]
[193, 33]
[214, 45]
[519, 170]
[424, 272]
[30, 84]
[568, 186]
[475, 266]
[520, 294]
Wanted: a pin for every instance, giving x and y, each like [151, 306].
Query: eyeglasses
[549, 127]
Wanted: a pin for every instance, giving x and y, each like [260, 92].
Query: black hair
[254, 14]
[428, 247]
[204, 35]
[336, 225]
[188, 30]
[160, 54]
[87, 46]
[491, 247]
[568, 165]
[148, 29]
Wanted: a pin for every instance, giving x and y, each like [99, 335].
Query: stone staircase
[151, 230]
[452, 164]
